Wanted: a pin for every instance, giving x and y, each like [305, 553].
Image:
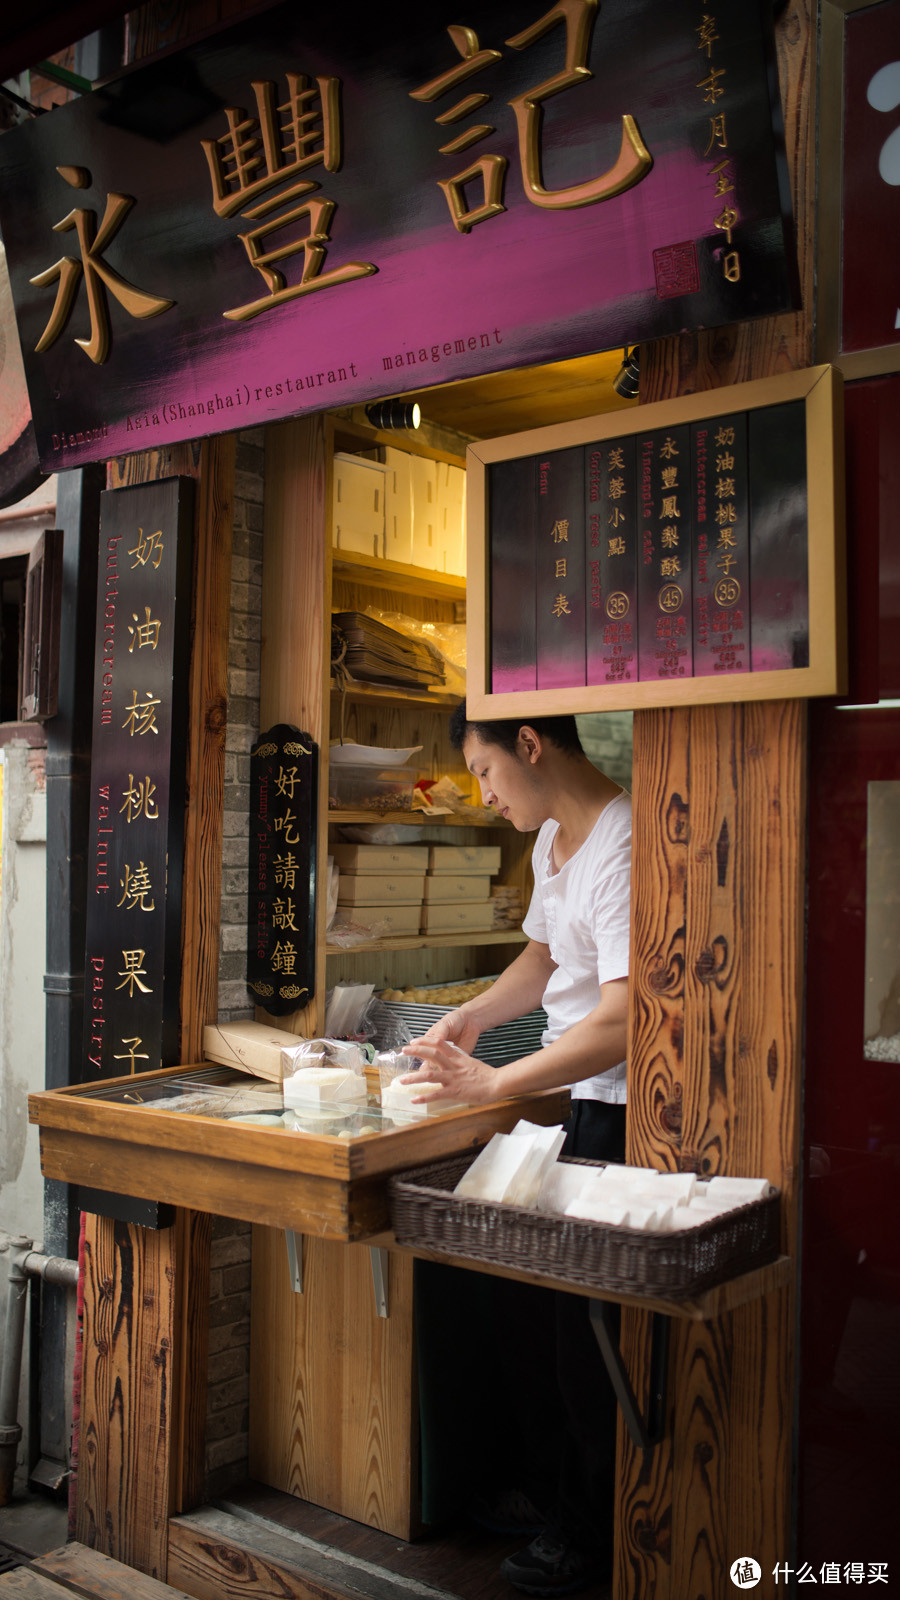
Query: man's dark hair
[562, 730]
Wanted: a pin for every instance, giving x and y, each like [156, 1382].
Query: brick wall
[228, 1392]
[606, 738]
[244, 634]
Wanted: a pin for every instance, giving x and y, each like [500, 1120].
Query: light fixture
[393, 414]
[627, 380]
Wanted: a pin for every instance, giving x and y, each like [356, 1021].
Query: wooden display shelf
[388, 695]
[702, 1307]
[397, 575]
[431, 941]
[417, 819]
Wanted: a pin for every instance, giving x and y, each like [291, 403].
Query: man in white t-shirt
[575, 964]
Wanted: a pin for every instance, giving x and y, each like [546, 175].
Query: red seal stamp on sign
[677, 270]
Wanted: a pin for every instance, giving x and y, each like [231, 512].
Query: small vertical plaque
[611, 556]
[560, 570]
[721, 546]
[664, 582]
[513, 576]
[281, 930]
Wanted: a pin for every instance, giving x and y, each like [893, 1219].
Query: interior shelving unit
[371, 714]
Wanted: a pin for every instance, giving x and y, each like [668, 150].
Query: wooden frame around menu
[821, 390]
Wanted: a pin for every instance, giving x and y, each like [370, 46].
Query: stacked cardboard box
[412, 888]
[457, 895]
[381, 885]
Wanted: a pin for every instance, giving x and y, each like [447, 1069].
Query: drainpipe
[24, 1262]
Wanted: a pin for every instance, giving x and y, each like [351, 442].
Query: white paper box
[451, 527]
[358, 522]
[379, 889]
[398, 506]
[424, 510]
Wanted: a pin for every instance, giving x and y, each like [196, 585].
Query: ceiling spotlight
[627, 380]
[394, 414]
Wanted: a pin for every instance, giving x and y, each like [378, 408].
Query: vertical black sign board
[138, 750]
[281, 908]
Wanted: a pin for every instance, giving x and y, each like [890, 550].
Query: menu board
[683, 551]
[138, 747]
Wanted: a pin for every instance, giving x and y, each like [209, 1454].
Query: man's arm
[517, 991]
[589, 1047]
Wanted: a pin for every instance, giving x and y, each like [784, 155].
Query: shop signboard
[135, 849]
[685, 552]
[281, 907]
[318, 207]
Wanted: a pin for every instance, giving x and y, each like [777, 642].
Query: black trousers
[518, 1370]
[587, 1474]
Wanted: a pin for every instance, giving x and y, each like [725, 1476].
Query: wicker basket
[425, 1214]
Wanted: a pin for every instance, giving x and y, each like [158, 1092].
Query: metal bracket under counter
[645, 1434]
[378, 1257]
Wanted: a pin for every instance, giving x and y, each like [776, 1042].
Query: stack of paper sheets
[378, 654]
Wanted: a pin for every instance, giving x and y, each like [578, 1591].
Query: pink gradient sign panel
[305, 212]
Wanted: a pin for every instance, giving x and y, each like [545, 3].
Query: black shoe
[510, 1512]
[549, 1567]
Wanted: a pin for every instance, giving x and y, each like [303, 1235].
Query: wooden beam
[296, 621]
[715, 1054]
[143, 1400]
[124, 1457]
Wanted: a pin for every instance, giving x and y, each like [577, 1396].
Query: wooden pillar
[714, 1065]
[296, 620]
[143, 1397]
[715, 1030]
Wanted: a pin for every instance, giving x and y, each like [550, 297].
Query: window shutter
[40, 660]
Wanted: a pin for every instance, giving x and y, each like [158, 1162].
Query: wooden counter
[334, 1188]
[334, 1389]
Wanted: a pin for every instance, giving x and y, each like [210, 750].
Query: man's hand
[457, 1027]
[461, 1076]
